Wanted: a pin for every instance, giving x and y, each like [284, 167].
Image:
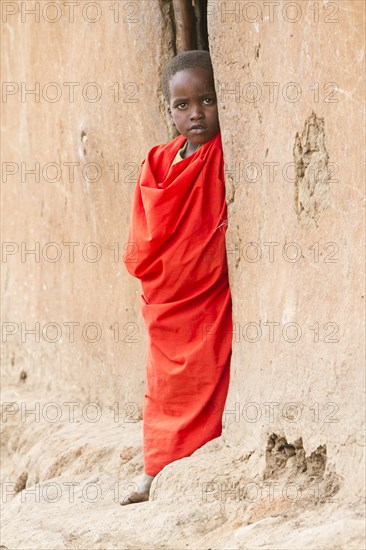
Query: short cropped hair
[184, 60]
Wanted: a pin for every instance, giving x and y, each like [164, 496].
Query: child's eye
[182, 105]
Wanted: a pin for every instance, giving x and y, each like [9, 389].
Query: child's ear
[170, 116]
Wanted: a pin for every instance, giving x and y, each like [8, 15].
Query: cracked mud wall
[291, 95]
[294, 191]
[313, 172]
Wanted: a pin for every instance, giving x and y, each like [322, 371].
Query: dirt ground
[66, 467]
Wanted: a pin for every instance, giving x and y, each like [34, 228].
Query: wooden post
[185, 25]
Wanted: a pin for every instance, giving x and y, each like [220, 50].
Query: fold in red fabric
[176, 247]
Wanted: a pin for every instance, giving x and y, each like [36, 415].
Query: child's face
[193, 102]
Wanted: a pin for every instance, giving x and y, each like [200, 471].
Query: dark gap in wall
[190, 18]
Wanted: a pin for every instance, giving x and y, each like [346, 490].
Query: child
[177, 249]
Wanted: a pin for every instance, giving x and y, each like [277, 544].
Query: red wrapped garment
[177, 249]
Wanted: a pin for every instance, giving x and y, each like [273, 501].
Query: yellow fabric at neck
[179, 155]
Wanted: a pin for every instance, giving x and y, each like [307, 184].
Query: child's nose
[196, 112]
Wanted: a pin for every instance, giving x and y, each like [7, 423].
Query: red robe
[177, 250]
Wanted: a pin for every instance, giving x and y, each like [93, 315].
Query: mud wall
[81, 108]
[291, 92]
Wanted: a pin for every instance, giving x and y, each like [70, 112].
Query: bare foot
[142, 495]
